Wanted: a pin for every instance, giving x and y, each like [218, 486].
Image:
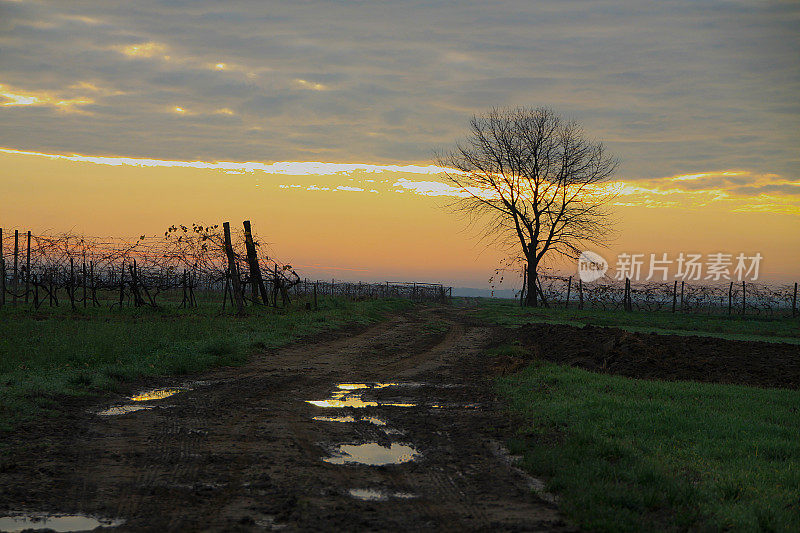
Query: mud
[248, 452]
[664, 357]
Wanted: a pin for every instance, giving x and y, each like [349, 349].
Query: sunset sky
[318, 121]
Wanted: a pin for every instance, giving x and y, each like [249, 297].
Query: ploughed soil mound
[665, 357]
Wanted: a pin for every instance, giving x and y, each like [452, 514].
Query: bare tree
[536, 180]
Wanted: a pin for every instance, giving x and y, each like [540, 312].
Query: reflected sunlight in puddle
[373, 454]
[374, 495]
[348, 395]
[53, 522]
[371, 420]
[155, 394]
[121, 410]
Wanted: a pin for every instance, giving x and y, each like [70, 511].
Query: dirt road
[403, 435]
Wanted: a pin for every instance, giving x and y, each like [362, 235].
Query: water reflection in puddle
[155, 394]
[374, 495]
[373, 454]
[143, 396]
[349, 395]
[121, 410]
[370, 419]
[53, 522]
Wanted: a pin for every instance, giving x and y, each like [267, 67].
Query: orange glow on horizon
[325, 219]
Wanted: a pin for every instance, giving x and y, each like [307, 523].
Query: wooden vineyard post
[674, 295]
[628, 303]
[225, 289]
[135, 284]
[183, 284]
[2, 272]
[580, 293]
[315, 295]
[744, 300]
[625, 296]
[16, 258]
[92, 284]
[730, 299]
[236, 287]
[71, 290]
[569, 289]
[255, 269]
[794, 299]
[192, 282]
[682, 308]
[84, 280]
[28, 267]
[121, 283]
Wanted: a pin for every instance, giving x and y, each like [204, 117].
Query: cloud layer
[671, 86]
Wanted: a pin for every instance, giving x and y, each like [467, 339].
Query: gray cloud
[671, 86]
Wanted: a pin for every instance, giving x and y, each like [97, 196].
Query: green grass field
[509, 313]
[636, 455]
[56, 351]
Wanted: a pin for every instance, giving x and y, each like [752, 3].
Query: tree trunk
[532, 291]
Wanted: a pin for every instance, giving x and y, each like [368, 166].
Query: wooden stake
[255, 269]
[234, 272]
[84, 280]
[72, 283]
[28, 267]
[674, 295]
[730, 299]
[121, 284]
[2, 272]
[16, 258]
[94, 287]
[569, 289]
[743, 299]
[794, 301]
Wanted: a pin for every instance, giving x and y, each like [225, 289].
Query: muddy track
[242, 451]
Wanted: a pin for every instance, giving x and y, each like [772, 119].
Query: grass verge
[636, 455]
[509, 313]
[51, 353]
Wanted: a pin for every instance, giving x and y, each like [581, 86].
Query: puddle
[53, 522]
[356, 403]
[143, 396]
[122, 410]
[356, 386]
[370, 419]
[348, 395]
[373, 495]
[456, 406]
[155, 394]
[373, 454]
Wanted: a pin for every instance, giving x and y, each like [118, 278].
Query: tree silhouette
[536, 182]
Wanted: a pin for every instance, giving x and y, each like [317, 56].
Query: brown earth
[664, 357]
[241, 451]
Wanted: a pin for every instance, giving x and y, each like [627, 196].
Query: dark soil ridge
[663, 357]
